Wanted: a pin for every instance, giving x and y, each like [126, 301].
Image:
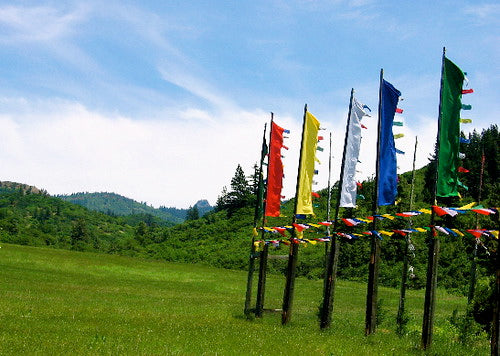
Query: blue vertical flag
[387, 176]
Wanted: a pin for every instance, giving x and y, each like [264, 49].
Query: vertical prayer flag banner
[275, 172]
[387, 176]
[348, 193]
[306, 164]
[260, 187]
[449, 129]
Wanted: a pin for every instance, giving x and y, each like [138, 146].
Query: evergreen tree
[241, 193]
[193, 213]
[141, 232]
[222, 200]
[79, 235]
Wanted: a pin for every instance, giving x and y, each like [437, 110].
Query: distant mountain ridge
[25, 188]
[115, 204]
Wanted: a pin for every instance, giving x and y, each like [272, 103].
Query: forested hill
[115, 204]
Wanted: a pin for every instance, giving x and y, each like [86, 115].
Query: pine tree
[193, 213]
[241, 193]
[79, 235]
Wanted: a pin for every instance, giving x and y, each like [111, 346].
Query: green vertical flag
[449, 129]
[259, 204]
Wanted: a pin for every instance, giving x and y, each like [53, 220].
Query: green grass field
[63, 302]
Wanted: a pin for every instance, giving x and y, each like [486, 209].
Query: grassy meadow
[65, 302]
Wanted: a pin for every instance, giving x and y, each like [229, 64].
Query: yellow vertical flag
[307, 159]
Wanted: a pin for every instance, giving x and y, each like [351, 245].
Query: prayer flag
[306, 164]
[440, 211]
[449, 129]
[275, 171]
[348, 193]
[468, 206]
[387, 175]
[484, 211]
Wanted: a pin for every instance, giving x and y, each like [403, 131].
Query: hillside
[38, 219]
[115, 204]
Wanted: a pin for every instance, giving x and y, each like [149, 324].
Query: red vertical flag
[275, 172]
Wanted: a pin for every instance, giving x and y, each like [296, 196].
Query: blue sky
[160, 100]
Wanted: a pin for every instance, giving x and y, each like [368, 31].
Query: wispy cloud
[38, 24]
[483, 14]
[196, 86]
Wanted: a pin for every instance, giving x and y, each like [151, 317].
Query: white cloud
[37, 24]
[64, 147]
[483, 13]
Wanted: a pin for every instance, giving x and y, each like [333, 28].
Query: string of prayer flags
[463, 170]
[449, 129]
[467, 91]
[351, 149]
[386, 160]
[399, 135]
[440, 211]
[465, 121]
[477, 233]
[466, 107]
[464, 140]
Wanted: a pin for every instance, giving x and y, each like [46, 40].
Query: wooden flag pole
[404, 272]
[473, 267]
[261, 285]
[495, 327]
[373, 267]
[251, 264]
[433, 243]
[333, 256]
[328, 201]
[294, 247]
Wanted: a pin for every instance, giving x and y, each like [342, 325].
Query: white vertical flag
[348, 193]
